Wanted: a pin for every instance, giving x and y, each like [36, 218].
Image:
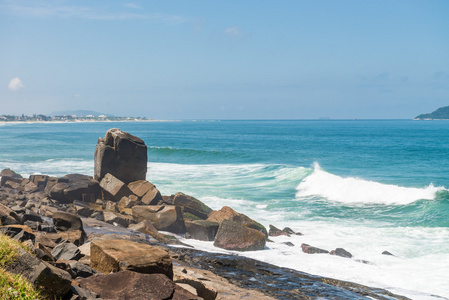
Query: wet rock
[341, 252]
[290, 244]
[66, 221]
[132, 285]
[164, 217]
[312, 250]
[288, 230]
[387, 253]
[115, 255]
[202, 230]
[274, 231]
[8, 216]
[227, 213]
[122, 155]
[232, 235]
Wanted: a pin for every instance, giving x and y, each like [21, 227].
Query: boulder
[132, 285]
[65, 221]
[202, 230]
[227, 213]
[10, 173]
[274, 231]
[8, 216]
[54, 281]
[74, 236]
[122, 155]
[40, 181]
[232, 235]
[148, 228]
[114, 255]
[191, 205]
[387, 253]
[18, 232]
[66, 250]
[127, 202]
[81, 270]
[341, 252]
[73, 187]
[116, 218]
[113, 188]
[312, 250]
[164, 217]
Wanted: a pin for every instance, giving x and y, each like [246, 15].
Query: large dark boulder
[132, 285]
[227, 213]
[122, 155]
[190, 205]
[232, 235]
[73, 187]
[66, 221]
[201, 229]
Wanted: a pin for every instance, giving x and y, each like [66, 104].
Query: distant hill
[79, 113]
[441, 113]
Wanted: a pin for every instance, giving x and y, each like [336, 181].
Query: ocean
[367, 186]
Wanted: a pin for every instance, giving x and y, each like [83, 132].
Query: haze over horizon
[225, 60]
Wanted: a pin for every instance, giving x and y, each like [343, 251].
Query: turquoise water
[365, 185]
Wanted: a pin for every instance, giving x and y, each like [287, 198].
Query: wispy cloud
[132, 5]
[48, 9]
[235, 32]
[15, 84]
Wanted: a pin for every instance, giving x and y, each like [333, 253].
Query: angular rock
[274, 231]
[191, 205]
[73, 187]
[288, 230]
[152, 197]
[74, 236]
[202, 230]
[232, 235]
[312, 250]
[140, 187]
[127, 202]
[132, 285]
[54, 281]
[114, 255]
[122, 155]
[116, 218]
[8, 216]
[387, 253]
[111, 206]
[40, 181]
[78, 293]
[113, 188]
[66, 250]
[227, 213]
[66, 221]
[164, 217]
[18, 232]
[146, 227]
[81, 270]
[341, 252]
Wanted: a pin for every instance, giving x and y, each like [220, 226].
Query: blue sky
[225, 59]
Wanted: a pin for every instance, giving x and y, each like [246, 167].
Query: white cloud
[15, 84]
[235, 32]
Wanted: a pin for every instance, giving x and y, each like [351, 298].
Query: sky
[177, 59]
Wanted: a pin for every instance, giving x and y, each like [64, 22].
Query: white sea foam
[355, 190]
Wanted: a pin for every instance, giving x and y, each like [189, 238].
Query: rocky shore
[103, 237]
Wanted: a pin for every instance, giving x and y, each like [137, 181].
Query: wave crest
[355, 190]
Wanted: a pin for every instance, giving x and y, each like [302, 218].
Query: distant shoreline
[82, 121]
